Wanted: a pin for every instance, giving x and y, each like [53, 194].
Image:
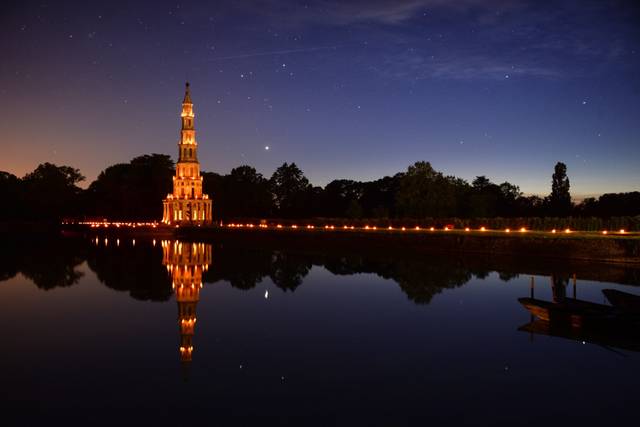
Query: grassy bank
[627, 223]
[584, 246]
[587, 246]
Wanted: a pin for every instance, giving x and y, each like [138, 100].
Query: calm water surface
[97, 326]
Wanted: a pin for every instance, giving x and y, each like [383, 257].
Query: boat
[624, 337]
[573, 310]
[617, 325]
[623, 301]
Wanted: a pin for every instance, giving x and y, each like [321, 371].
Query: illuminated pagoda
[186, 263]
[187, 205]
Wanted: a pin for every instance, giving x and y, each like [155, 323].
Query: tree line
[134, 190]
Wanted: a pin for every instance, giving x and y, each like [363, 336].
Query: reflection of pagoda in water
[185, 263]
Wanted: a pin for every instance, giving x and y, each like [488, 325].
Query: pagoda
[187, 205]
[186, 262]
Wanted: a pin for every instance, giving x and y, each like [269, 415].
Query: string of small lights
[330, 227]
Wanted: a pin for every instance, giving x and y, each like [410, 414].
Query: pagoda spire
[187, 94]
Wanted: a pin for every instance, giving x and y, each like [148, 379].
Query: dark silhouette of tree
[379, 197]
[424, 192]
[291, 191]
[484, 198]
[243, 193]
[560, 198]
[529, 206]
[354, 210]
[249, 193]
[611, 204]
[50, 192]
[339, 195]
[134, 190]
[508, 202]
[214, 185]
[131, 191]
[12, 195]
[481, 183]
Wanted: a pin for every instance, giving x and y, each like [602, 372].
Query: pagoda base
[187, 211]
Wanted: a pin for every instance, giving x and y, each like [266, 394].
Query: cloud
[417, 66]
[458, 39]
[385, 12]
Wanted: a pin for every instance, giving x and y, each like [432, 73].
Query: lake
[103, 325]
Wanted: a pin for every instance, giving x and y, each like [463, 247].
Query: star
[266, 148]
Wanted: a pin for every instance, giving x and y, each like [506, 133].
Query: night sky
[355, 90]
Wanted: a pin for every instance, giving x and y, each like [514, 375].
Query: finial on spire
[187, 94]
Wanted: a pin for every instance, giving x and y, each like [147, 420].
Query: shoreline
[579, 246]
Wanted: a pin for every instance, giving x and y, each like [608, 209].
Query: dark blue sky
[357, 89]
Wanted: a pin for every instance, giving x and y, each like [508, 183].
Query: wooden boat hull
[623, 301]
[572, 311]
[621, 337]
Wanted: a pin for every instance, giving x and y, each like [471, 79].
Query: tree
[481, 183]
[425, 192]
[484, 198]
[339, 195]
[378, 197]
[132, 190]
[291, 191]
[248, 193]
[508, 196]
[611, 204]
[50, 192]
[354, 210]
[60, 176]
[560, 198]
[529, 206]
[11, 193]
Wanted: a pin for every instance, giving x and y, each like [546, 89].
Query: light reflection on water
[327, 336]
